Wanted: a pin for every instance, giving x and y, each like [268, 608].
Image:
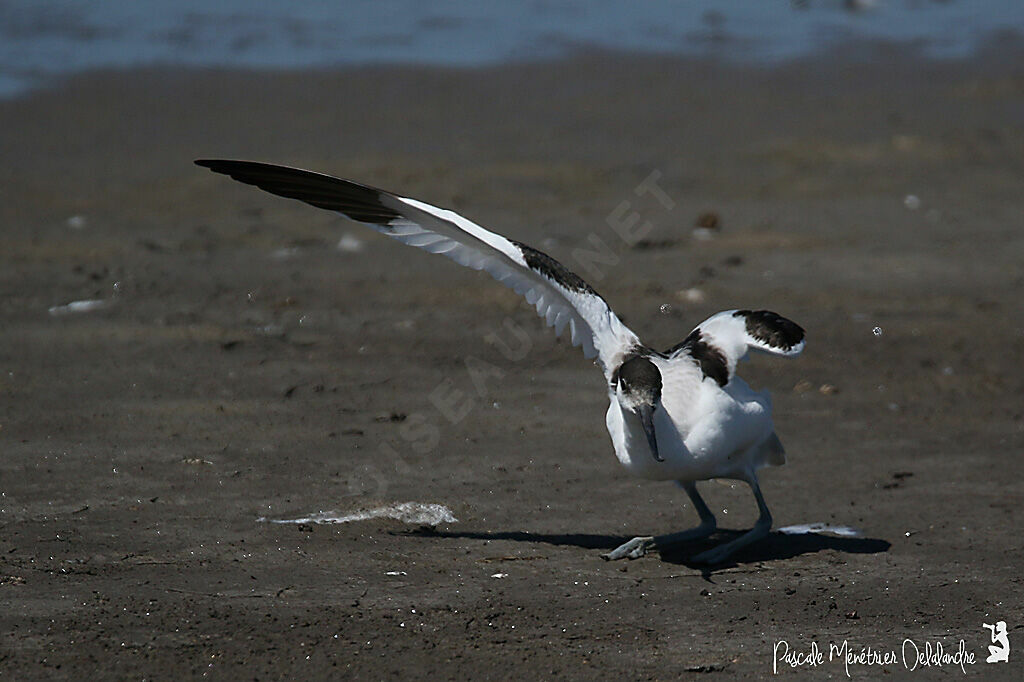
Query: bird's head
[637, 384]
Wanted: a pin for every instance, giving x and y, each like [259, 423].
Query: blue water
[44, 39]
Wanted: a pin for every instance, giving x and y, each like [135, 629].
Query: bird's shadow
[776, 546]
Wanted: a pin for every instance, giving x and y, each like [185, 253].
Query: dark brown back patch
[710, 359]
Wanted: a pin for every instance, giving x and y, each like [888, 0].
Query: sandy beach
[253, 358]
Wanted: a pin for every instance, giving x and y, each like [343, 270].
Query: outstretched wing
[559, 295]
[721, 341]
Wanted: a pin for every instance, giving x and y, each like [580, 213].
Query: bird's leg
[638, 547]
[760, 530]
[707, 526]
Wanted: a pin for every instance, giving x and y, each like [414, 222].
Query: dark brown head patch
[639, 376]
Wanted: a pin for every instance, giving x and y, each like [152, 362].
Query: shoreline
[1001, 52]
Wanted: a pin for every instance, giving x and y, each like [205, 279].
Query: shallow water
[43, 39]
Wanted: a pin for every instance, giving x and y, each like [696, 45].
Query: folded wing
[559, 295]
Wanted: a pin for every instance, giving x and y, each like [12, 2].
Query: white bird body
[680, 415]
[702, 421]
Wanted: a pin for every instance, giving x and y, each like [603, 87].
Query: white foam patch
[285, 254]
[803, 528]
[78, 307]
[417, 513]
[350, 243]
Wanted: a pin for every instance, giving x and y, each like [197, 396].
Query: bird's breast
[703, 432]
[634, 452]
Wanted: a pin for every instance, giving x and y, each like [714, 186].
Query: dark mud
[245, 367]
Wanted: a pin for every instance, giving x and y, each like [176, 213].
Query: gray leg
[760, 530]
[639, 546]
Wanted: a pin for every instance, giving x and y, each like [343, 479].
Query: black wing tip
[358, 202]
[772, 328]
[246, 171]
[228, 165]
[213, 163]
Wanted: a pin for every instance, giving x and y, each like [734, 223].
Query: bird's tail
[773, 452]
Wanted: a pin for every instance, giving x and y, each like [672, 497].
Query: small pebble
[708, 220]
[692, 295]
[803, 386]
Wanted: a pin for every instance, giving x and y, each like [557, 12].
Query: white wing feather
[560, 297]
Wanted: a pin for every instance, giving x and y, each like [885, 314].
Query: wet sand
[243, 366]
